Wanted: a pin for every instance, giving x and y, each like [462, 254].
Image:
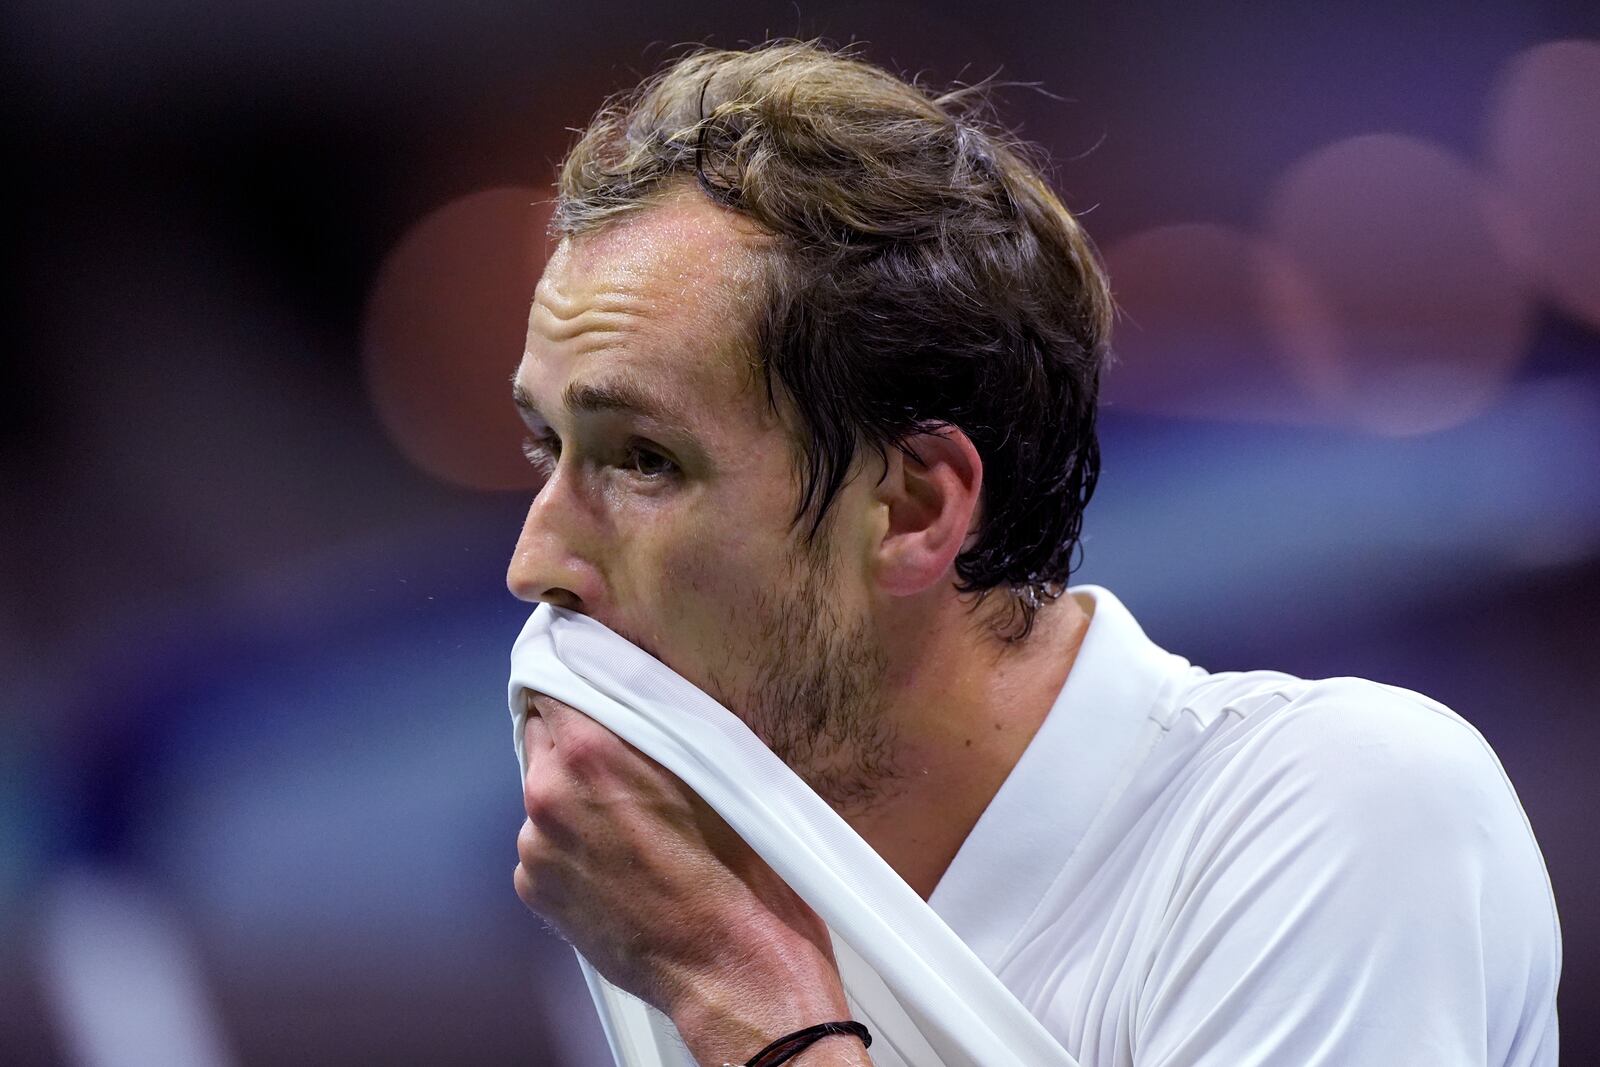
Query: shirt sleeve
[1362, 887]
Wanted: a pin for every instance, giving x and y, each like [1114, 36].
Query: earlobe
[930, 492]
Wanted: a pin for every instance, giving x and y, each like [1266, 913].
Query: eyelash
[544, 450]
[541, 453]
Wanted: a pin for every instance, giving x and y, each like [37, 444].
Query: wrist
[817, 1046]
[829, 1050]
[720, 1031]
[728, 1018]
[840, 1050]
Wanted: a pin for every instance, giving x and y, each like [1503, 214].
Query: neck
[962, 710]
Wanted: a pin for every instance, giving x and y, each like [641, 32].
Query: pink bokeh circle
[443, 331]
[1198, 332]
[1544, 142]
[1424, 318]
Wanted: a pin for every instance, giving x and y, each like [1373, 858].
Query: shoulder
[1364, 780]
[1352, 860]
[1360, 746]
[1376, 801]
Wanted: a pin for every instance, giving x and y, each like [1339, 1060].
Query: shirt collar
[1073, 766]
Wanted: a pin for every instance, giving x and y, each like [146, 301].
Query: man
[810, 380]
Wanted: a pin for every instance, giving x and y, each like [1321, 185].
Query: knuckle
[539, 799]
[527, 889]
[528, 845]
[588, 749]
[540, 885]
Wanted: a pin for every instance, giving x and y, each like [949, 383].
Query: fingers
[563, 744]
[585, 747]
[559, 744]
[528, 861]
[535, 734]
[556, 714]
[560, 721]
[550, 723]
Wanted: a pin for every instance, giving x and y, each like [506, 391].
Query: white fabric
[1184, 869]
[927, 999]
[1233, 869]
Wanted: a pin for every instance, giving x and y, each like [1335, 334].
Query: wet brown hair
[923, 274]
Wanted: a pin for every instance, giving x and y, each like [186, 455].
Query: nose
[550, 563]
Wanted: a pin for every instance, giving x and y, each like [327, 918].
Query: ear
[928, 507]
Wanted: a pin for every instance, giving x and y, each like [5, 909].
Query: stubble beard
[816, 697]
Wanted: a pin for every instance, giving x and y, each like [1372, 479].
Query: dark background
[260, 481]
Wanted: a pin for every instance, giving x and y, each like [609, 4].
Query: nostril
[562, 598]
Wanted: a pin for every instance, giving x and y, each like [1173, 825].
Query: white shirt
[1188, 869]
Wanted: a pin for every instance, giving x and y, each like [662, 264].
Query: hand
[661, 896]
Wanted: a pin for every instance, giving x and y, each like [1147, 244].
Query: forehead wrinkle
[612, 290]
[583, 323]
[678, 285]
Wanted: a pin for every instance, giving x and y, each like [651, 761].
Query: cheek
[712, 573]
[693, 576]
[705, 588]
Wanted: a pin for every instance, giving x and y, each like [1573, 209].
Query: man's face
[669, 487]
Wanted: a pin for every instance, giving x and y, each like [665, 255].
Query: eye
[647, 462]
[542, 451]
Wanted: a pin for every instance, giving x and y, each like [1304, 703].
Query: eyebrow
[619, 394]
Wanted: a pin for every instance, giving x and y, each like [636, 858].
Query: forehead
[673, 242]
[671, 291]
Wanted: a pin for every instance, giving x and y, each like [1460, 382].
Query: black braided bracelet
[786, 1048]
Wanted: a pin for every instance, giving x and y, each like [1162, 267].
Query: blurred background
[260, 480]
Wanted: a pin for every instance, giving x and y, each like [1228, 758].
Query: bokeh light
[1428, 317]
[443, 331]
[1544, 141]
[1202, 310]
